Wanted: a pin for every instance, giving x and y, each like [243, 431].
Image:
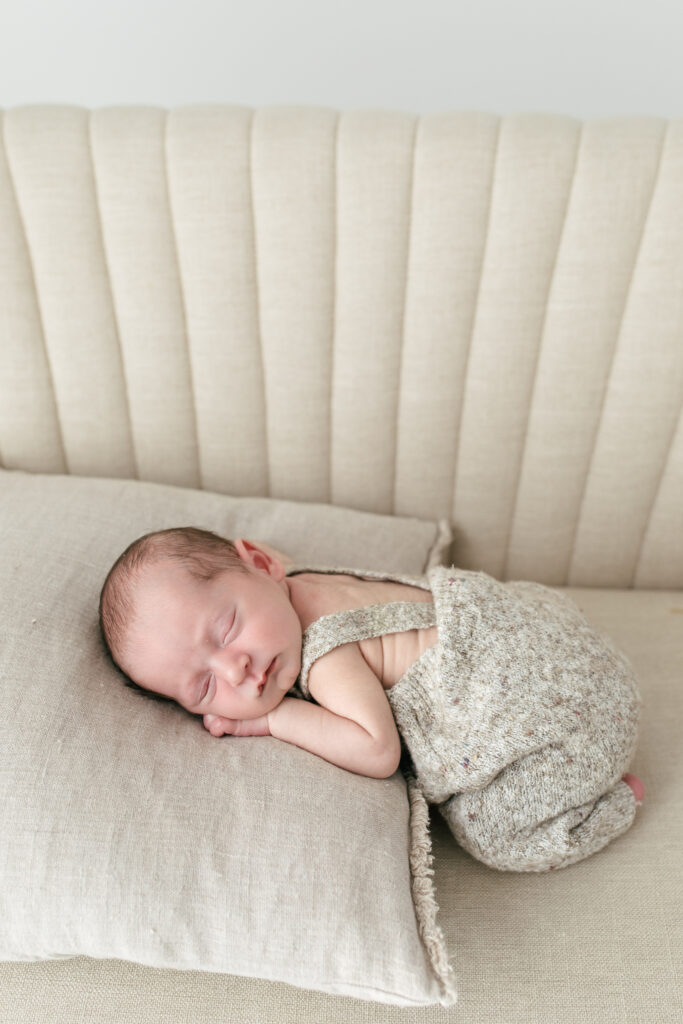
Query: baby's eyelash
[228, 631]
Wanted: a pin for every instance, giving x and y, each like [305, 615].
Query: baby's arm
[335, 738]
[352, 724]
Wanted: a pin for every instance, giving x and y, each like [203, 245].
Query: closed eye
[204, 690]
[206, 686]
[230, 628]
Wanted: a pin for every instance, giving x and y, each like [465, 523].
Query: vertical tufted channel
[294, 193]
[449, 217]
[631, 514]
[593, 417]
[529, 188]
[63, 399]
[374, 189]
[131, 163]
[211, 195]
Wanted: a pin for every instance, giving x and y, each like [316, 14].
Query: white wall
[586, 58]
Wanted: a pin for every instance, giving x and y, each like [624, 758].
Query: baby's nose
[233, 668]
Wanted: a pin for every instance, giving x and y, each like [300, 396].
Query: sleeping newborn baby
[517, 719]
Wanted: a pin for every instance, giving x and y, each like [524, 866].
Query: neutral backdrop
[586, 58]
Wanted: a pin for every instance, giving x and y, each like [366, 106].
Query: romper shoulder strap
[293, 569]
[337, 628]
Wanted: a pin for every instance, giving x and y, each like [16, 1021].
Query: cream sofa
[457, 316]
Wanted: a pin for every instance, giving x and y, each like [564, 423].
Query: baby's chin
[260, 708]
[270, 703]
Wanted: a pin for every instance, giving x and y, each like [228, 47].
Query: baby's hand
[219, 726]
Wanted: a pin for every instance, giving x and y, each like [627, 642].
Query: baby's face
[229, 647]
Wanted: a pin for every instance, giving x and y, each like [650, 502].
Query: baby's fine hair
[202, 553]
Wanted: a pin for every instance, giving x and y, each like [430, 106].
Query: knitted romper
[518, 724]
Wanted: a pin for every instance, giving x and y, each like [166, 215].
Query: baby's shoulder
[317, 594]
[346, 662]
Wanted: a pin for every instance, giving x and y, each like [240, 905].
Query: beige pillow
[129, 832]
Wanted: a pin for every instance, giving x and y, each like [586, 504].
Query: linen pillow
[131, 833]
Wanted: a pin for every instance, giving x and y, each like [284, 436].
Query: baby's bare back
[389, 656]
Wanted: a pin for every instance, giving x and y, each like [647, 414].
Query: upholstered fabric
[456, 315]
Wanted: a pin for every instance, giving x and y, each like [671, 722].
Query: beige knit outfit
[518, 724]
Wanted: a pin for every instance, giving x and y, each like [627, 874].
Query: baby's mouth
[262, 685]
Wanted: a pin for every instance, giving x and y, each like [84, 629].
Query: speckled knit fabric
[518, 724]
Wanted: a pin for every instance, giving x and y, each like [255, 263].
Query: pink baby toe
[636, 785]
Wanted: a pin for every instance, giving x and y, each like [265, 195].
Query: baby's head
[191, 617]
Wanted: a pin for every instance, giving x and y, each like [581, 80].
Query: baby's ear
[274, 553]
[251, 552]
[262, 556]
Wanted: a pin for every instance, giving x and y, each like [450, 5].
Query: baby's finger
[219, 726]
[214, 725]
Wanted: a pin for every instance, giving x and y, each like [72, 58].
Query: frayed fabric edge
[441, 547]
[424, 897]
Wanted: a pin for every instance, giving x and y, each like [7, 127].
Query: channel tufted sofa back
[456, 314]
